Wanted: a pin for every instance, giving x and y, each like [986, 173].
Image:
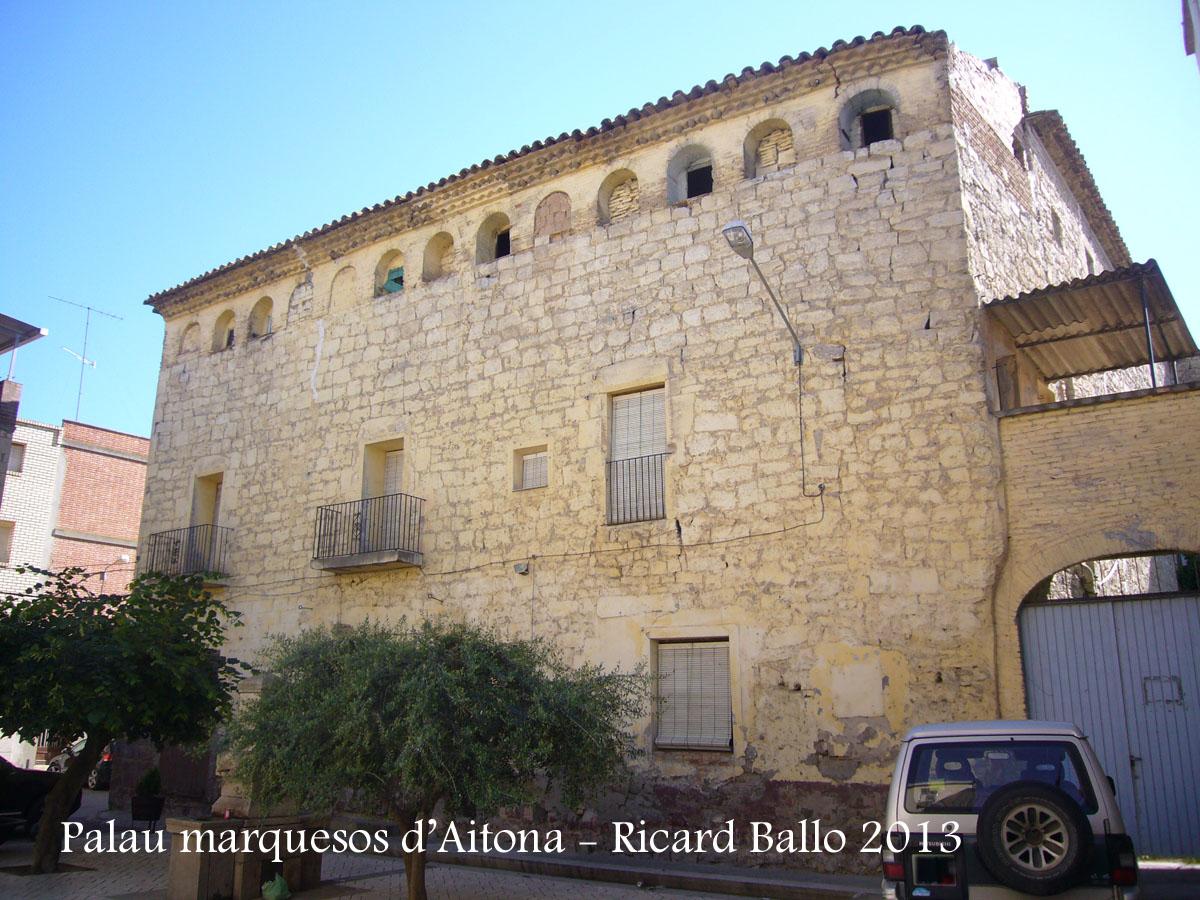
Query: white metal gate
[1126, 671]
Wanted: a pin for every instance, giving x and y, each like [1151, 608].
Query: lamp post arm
[797, 355]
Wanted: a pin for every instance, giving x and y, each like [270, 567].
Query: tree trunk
[414, 873]
[58, 803]
[414, 862]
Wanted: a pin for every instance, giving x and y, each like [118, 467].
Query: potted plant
[147, 802]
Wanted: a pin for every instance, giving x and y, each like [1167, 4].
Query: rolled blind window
[533, 470]
[695, 709]
[639, 424]
[393, 467]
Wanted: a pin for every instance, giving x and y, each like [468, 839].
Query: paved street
[143, 876]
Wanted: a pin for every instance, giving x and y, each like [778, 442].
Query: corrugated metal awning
[14, 333]
[1097, 323]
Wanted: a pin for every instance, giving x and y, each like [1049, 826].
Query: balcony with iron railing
[363, 535]
[636, 489]
[184, 551]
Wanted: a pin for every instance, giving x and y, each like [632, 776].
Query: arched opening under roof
[436, 261]
[768, 148]
[260, 318]
[618, 196]
[223, 333]
[867, 118]
[689, 174]
[494, 240]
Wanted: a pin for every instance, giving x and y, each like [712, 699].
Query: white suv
[1004, 810]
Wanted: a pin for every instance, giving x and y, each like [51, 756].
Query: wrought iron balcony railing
[389, 527]
[201, 548]
[635, 489]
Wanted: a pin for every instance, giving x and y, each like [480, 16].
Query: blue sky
[142, 144]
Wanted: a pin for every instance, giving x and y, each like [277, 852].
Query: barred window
[637, 449]
[695, 710]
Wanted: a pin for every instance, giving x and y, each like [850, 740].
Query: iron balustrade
[201, 548]
[391, 522]
[635, 489]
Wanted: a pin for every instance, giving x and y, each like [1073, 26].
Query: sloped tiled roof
[679, 98]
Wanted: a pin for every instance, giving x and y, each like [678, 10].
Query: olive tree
[417, 716]
[139, 665]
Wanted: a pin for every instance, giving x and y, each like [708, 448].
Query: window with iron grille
[637, 449]
[695, 709]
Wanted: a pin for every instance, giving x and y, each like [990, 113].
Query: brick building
[73, 497]
[544, 394]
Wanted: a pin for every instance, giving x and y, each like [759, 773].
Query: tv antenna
[84, 362]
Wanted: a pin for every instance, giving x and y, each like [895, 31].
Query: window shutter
[393, 466]
[639, 424]
[534, 470]
[696, 710]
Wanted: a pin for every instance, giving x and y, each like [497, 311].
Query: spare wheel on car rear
[1034, 838]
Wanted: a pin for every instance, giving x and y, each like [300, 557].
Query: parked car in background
[22, 794]
[99, 778]
[1004, 810]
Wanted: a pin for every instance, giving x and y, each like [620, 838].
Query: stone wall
[1024, 228]
[840, 525]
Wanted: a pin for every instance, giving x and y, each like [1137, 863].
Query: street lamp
[123, 558]
[740, 241]
[738, 236]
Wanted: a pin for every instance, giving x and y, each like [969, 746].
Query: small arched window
[436, 261]
[618, 196]
[189, 341]
[552, 218]
[689, 174]
[389, 273]
[494, 240]
[867, 118]
[223, 331]
[768, 148]
[260, 318]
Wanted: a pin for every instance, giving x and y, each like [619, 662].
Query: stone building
[73, 499]
[545, 395]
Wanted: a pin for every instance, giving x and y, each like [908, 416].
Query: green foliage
[436, 712]
[149, 785]
[142, 665]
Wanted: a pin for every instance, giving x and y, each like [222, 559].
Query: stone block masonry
[839, 527]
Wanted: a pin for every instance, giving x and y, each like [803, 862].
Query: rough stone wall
[1122, 483]
[29, 502]
[1024, 228]
[848, 555]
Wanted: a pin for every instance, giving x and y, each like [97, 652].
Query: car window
[960, 776]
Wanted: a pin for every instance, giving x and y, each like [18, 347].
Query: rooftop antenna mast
[84, 362]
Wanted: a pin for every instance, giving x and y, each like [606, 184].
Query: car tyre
[1034, 838]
